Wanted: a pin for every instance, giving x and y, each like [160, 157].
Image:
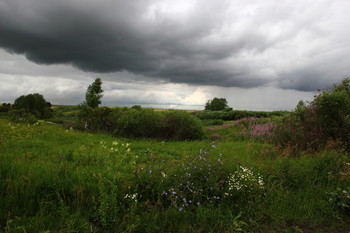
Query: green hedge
[138, 122]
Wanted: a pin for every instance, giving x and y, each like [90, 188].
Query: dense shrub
[137, 122]
[181, 125]
[5, 107]
[30, 107]
[95, 119]
[325, 122]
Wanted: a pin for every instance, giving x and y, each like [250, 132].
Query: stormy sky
[259, 55]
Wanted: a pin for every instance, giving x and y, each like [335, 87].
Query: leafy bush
[137, 122]
[29, 107]
[95, 119]
[5, 107]
[325, 121]
[181, 125]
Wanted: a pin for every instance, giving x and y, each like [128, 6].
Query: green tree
[94, 94]
[216, 104]
[5, 107]
[34, 104]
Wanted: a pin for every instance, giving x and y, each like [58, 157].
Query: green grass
[58, 180]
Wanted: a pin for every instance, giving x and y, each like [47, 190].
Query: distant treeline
[232, 115]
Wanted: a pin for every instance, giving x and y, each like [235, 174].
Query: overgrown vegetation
[141, 123]
[324, 122]
[30, 108]
[135, 122]
[62, 180]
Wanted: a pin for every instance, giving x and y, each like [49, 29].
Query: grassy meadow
[54, 178]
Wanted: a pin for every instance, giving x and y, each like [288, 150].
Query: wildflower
[115, 143]
[163, 174]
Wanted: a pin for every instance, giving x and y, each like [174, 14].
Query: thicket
[5, 107]
[30, 108]
[137, 122]
[323, 123]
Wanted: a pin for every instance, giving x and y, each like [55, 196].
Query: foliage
[95, 119]
[181, 125]
[5, 107]
[340, 198]
[137, 122]
[31, 106]
[216, 104]
[94, 94]
[325, 121]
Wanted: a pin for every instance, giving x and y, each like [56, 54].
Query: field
[57, 179]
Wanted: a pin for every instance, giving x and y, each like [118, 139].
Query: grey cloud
[212, 43]
[114, 36]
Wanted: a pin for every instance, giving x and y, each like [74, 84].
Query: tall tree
[216, 104]
[94, 94]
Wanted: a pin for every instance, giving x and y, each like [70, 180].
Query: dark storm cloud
[203, 42]
[115, 36]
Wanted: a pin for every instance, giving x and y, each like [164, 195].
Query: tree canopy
[216, 104]
[34, 104]
[94, 94]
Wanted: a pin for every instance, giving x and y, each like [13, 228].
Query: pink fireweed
[238, 121]
[215, 135]
[262, 129]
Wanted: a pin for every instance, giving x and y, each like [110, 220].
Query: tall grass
[57, 180]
